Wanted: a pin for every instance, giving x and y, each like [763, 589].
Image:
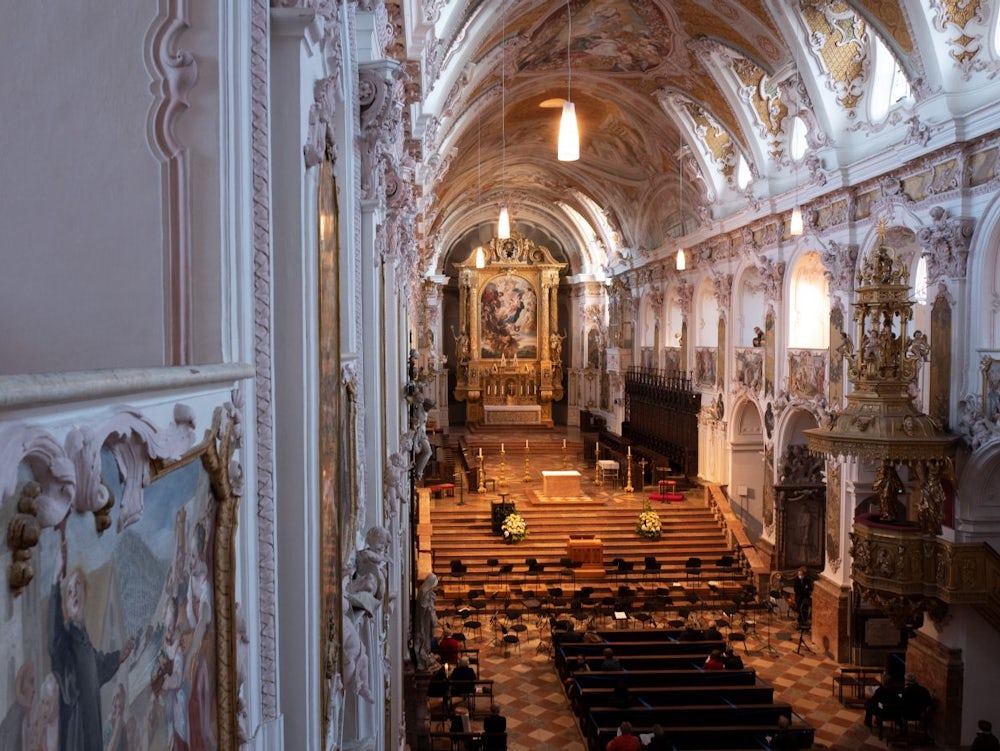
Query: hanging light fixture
[795, 224]
[681, 261]
[480, 250]
[503, 222]
[569, 133]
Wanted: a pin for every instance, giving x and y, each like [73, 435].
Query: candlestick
[482, 474]
[597, 464]
[628, 482]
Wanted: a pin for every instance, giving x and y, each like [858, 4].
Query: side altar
[508, 347]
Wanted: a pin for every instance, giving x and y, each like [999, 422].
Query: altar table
[561, 483]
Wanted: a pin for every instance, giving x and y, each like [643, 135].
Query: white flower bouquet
[514, 528]
[649, 523]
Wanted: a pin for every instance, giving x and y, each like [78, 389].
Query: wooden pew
[653, 678]
[718, 715]
[711, 737]
[590, 698]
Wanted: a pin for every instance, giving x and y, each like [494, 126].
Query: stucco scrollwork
[839, 261]
[945, 245]
[320, 138]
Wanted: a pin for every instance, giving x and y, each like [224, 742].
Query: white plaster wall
[83, 196]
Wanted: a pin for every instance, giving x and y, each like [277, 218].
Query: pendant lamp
[503, 222]
[569, 133]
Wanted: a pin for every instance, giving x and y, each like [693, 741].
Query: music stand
[769, 648]
[802, 640]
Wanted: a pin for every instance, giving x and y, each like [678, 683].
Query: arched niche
[809, 303]
[750, 308]
[746, 468]
[799, 498]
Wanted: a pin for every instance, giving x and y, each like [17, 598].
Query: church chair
[534, 570]
[493, 572]
[735, 637]
[727, 567]
[509, 641]
[474, 627]
[651, 567]
[692, 569]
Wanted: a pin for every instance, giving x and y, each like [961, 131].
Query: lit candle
[480, 452]
[501, 447]
[630, 451]
[525, 445]
[598, 448]
[564, 443]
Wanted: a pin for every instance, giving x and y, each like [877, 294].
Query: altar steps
[463, 532]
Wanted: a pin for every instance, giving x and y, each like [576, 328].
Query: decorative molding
[839, 262]
[174, 72]
[263, 344]
[68, 474]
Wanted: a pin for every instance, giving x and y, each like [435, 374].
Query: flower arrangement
[514, 528]
[649, 523]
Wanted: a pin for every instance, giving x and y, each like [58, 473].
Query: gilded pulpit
[508, 345]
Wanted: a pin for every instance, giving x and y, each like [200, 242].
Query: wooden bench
[590, 698]
[442, 741]
[850, 684]
[709, 737]
[717, 715]
[662, 678]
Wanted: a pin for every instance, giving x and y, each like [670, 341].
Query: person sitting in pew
[712, 633]
[579, 665]
[731, 660]
[714, 661]
[463, 680]
[657, 740]
[625, 740]
[591, 636]
[494, 727]
[783, 737]
[690, 633]
[610, 662]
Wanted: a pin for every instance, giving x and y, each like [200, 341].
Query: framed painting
[990, 365]
[120, 615]
[806, 373]
[705, 362]
[508, 318]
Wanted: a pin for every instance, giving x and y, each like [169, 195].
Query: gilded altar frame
[509, 341]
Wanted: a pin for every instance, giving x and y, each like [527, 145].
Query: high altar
[508, 346]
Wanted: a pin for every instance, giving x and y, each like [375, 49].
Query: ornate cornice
[945, 245]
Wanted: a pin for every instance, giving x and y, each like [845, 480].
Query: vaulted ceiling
[671, 96]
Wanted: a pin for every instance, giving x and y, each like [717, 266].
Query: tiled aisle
[539, 717]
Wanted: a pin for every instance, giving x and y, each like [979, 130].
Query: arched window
[920, 282]
[889, 84]
[797, 139]
[743, 174]
[808, 320]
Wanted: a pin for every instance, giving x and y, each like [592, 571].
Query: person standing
[803, 596]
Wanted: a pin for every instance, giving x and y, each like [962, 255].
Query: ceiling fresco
[717, 80]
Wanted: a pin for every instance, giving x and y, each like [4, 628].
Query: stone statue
[920, 348]
[426, 621]
[367, 586]
[555, 345]
[422, 449]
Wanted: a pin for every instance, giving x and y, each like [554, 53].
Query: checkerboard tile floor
[539, 716]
